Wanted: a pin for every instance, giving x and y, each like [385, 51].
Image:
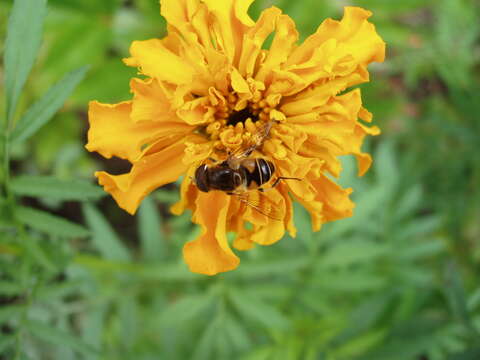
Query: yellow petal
[354, 36]
[336, 128]
[231, 20]
[210, 253]
[113, 133]
[147, 174]
[336, 201]
[254, 39]
[285, 38]
[155, 60]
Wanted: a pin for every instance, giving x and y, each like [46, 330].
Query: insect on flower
[249, 129]
[239, 174]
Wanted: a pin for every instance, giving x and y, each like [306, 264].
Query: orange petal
[336, 201]
[210, 253]
[283, 42]
[113, 133]
[153, 102]
[335, 126]
[254, 39]
[156, 60]
[353, 35]
[147, 174]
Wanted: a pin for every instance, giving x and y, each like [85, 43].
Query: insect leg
[284, 178]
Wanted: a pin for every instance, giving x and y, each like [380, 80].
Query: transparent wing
[257, 140]
[260, 203]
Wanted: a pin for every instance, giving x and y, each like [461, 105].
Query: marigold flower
[209, 87]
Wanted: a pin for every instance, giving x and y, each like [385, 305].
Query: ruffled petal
[353, 36]
[150, 172]
[156, 60]
[283, 42]
[113, 133]
[210, 253]
[335, 127]
[254, 39]
[153, 102]
[230, 21]
[330, 202]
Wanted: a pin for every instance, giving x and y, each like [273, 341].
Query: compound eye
[201, 178]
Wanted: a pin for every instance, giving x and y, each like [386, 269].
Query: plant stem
[8, 124]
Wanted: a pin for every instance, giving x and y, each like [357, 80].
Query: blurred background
[398, 280]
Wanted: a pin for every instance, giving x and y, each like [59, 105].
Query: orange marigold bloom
[208, 87]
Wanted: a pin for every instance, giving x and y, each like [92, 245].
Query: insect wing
[257, 140]
[261, 203]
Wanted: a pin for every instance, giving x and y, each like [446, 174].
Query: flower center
[241, 116]
[237, 121]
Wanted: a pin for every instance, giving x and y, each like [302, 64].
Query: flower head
[209, 88]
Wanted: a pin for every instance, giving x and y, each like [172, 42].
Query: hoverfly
[240, 173]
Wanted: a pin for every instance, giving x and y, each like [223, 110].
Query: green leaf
[361, 344]
[10, 312]
[469, 354]
[48, 223]
[58, 337]
[364, 317]
[37, 253]
[6, 342]
[456, 296]
[237, 333]
[253, 308]
[24, 34]
[257, 269]
[185, 309]
[103, 236]
[44, 109]
[204, 350]
[51, 187]
[8, 288]
[149, 226]
[353, 252]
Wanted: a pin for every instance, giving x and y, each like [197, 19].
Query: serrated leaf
[51, 187]
[360, 344]
[420, 250]
[262, 353]
[421, 226]
[364, 317]
[58, 337]
[385, 164]
[24, 34]
[8, 288]
[44, 109]
[149, 227]
[185, 309]
[409, 202]
[10, 312]
[255, 309]
[48, 223]
[94, 323]
[352, 252]
[204, 349]
[103, 236]
[469, 354]
[37, 253]
[456, 296]
[237, 333]
[272, 267]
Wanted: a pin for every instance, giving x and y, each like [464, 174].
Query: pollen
[235, 121]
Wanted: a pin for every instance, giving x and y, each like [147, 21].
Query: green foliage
[42, 111]
[80, 279]
[22, 43]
